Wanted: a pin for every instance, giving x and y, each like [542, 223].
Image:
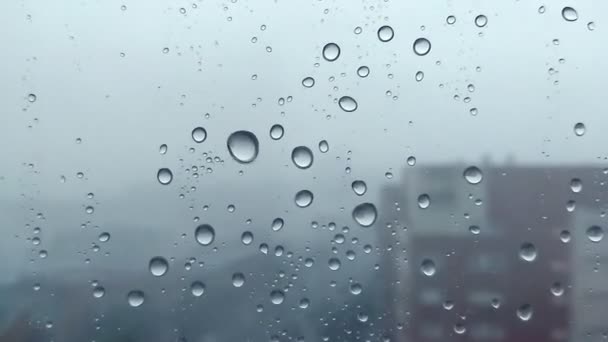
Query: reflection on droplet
[303, 198]
[243, 146]
[481, 20]
[302, 157]
[428, 267]
[525, 312]
[204, 234]
[323, 146]
[276, 132]
[135, 298]
[277, 224]
[363, 71]
[158, 266]
[473, 175]
[347, 103]
[576, 185]
[359, 187]
[365, 214]
[199, 134]
[197, 288]
[595, 233]
[334, 264]
[277, 297]
[331, 52]
[579, 129]
[238, 279]
[528, 252]
[164, 176]
[385, 33]
[247, 238]
[308, 82]
[422, 46]
[569, 14]
[424, 201]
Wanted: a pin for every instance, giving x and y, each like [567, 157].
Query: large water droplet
[238, 279]
[528, 252]
[422, 46]
[158, 266]
[199, 134]
[347, 103]
[197, 288]
[579, 129]
[424, 201]
[359, 187]
[308, 82]
[164, 176]
[428, 267]
[303, 198]
[204, 234]
[247, 238]
[135, 298]
[525, 312]
[276, 132]
[277, 297]
[243, 146]
[334, 264]
[481, 20]
[356, 288]
[331, 52]
[595, 233]
[569, 14]
[385, 33]
[473, 175]
[365, 214]
[302, 157]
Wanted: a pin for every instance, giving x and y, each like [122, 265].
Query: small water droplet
[495, 303]
[355, 288]
[331, 52]
[204, 234]
[104, 237]
[243, 146]
[565, 236]
[277, 297]
[422, 46]
[419, 76]
[451, 20]
[579, 129]
[595, 233]
[365, 214]
[158, 266]
[481, 20]
[308, 82]
[31, 98]
[569, 14]
[576, 185]
[528, 252]
[302, 157]
[99, 292]
[276, 132]
[164, 176]
[525, 312]
[427, 267]
[323, 146]
[557, 289]
[199, 134]
[247, 238]
[162, 149]
[238, 279]
[359, 187]
[303, 198]
[197, 288]
[135, 298]
[363, 71]
[459, 328]
[591, 26]
[385, 33]
[334, 264]
[473, 175]
[474, 230]
[277, 224]
[347, 103]
[424, 201]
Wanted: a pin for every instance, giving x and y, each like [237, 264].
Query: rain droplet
[422, 46]
[424, 201]
[238, 279]
[199, 134]
[162, 149]
[302, 157]
[334, 264]
[276, 132]
[419, 76]
[197, 288]
[277, 224]
[569, 14]
[428, 267]
[579, 129]
[473, 175]
[495, 303]
[355, 288]
[576, 185]
[135, 298]
[303, 198]
[204, 234]
[347, 103]
[459, 328]
[359, 187]
[308, 82]
[595, 233]
[385, 33]
[481, 20]
[243, 146]
[451, 20]
[31, 98]
[277, 297]
[474, 230]
[323, 146]
[247, 238]
[557, 289]
[165, 176]
[331, 52]
[363, 71]
[525, 312]
[591, 26]
[565, 236]
[528, 252]
[365, 214]
[158, 266]
[99, 291]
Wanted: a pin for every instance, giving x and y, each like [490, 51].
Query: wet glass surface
[303, 171]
